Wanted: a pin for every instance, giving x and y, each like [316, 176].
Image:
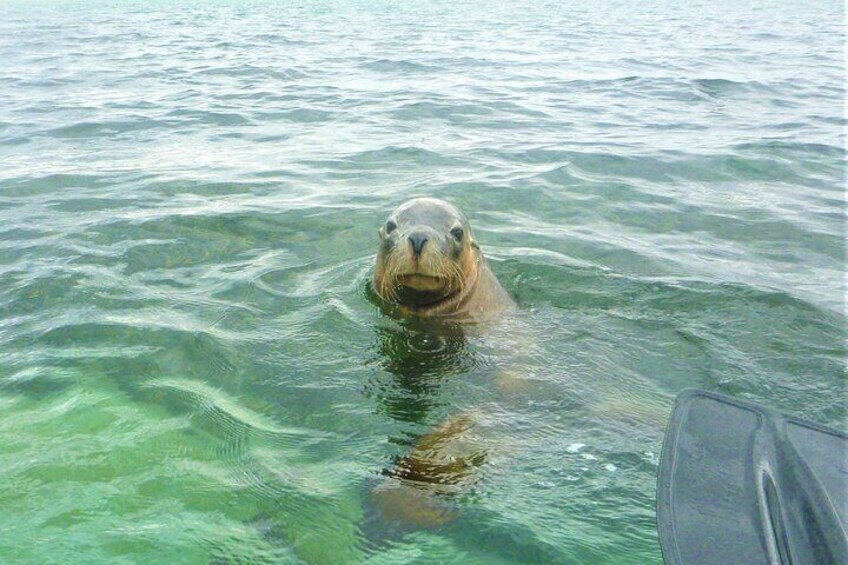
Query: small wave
[785, 147]
[673, 167]
[232, 414]
[399, 66]
[720, 87]
[299, 115]
[280, 39]
[24, 233]
[456, 112]
[396, 154]
[341, 277]
[285, 75]
[105, 128]
[40, 185]
[209, 118]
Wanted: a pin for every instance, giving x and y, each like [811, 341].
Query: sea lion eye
[390, 226]
[457, 233]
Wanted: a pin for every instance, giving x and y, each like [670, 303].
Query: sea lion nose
[417, 240]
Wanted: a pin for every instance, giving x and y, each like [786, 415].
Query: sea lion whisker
[451, 280]
[457, 278]
[388, 282]
[395, 282]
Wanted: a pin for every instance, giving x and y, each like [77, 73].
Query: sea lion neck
[412, 298]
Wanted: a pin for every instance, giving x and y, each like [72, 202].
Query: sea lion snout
[417, 240]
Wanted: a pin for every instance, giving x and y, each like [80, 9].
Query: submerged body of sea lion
[430, 265]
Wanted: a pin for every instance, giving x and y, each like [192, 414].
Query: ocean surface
[194, 368]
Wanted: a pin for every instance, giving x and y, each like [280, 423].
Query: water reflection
[418, 357]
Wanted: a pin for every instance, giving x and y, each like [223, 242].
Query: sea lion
[430, 265]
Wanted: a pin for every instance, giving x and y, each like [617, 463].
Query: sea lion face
[427, 254]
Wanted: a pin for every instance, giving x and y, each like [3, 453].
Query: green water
[193, 367]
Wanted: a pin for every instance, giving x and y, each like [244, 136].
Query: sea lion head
[427, 255]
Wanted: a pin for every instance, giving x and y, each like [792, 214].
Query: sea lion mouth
[427, 283]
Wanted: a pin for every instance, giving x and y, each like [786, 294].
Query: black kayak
[743, 483]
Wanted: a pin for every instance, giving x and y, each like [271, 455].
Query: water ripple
[195, 366]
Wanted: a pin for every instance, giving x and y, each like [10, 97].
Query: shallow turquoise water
[193, 368]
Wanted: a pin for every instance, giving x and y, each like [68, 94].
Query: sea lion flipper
[443, 462]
